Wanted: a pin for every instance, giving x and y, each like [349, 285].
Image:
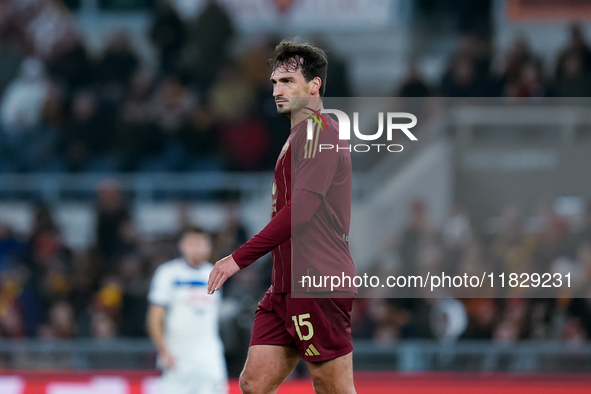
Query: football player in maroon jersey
[308, 234]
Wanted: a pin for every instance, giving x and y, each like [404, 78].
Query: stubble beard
[283, 110]
[287, 109]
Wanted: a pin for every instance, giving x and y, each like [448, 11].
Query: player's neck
[302, 114]
[194, 264]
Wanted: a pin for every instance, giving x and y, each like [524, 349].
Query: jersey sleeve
[277, 231]
[315, 160]
[160, 288]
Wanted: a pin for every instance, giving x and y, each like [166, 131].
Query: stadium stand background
[121, 121]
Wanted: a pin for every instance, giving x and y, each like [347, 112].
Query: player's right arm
[156, 316]
[316, 176]
[276, 232]
[160, 296]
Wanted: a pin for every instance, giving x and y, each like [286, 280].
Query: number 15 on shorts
[300, 321]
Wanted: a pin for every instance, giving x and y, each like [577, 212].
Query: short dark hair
[193, 230]
[310, 60]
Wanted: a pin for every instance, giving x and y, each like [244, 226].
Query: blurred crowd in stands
[471, 71]
[560, 244]
[63, 109]
[51, 291]
[202, 108]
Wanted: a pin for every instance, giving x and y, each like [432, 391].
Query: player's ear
[316, 83]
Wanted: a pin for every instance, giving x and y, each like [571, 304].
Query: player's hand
[167, 360]
[222, 270]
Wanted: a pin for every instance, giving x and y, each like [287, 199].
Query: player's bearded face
[289, 82]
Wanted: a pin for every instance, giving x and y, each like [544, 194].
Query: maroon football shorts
[320, 328]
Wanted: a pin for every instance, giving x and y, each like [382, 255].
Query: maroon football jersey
[321, 165]
[321, 246]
